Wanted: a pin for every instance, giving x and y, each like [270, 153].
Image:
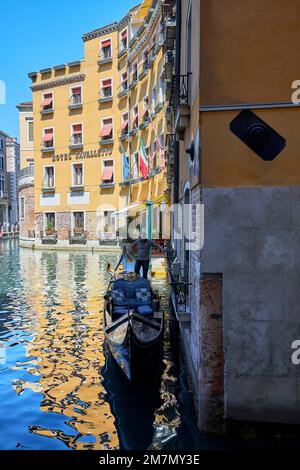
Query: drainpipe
[177, 74]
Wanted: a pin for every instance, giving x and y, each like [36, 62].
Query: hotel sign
[103, 152]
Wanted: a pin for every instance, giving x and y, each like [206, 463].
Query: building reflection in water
[53, 303]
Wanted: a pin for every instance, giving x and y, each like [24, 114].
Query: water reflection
[55, 387]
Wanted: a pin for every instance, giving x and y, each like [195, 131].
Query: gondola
[133, 323]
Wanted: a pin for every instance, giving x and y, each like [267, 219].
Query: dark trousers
[142, 264]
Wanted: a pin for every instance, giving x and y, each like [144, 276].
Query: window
[106, 88]
[107, 133]
[2, 183]
[124, 81]
[48, 101]
[50, 221]
[135, 121]
[105, 53]
[145, 58]
[145, 114]
[107, 176]
[109, 223]
[77, 134]
[78, 221]
[1, 144]
[136, 165]
[30, 131]
[161, 89]
[22, 207]
[2, 162]
[48, 181]
[48, 140]
[123, 42]
[77, 176]
[135, 72]
[154, 157]
[154, 98]
[124, 126]
[76, 96]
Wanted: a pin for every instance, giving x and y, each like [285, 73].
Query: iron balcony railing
[29, 171]
[180, 95]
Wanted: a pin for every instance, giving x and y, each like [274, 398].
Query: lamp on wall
[191, 151]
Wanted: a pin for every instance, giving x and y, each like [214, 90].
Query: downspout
[177, 74]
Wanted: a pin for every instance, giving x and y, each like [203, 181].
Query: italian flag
[144, 162]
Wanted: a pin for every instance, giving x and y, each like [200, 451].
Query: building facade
[235, 151]
[4, 214]
[26, 175]
[99, 131]
[13, 169]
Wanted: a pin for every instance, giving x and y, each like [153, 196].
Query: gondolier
[143, 248]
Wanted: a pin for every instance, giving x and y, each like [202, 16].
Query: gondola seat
[135, 295]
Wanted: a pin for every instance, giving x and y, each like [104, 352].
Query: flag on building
[144, 161]
[125, 165]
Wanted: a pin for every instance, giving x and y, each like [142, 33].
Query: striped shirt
[143, 249]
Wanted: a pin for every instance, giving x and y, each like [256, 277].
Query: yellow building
[99, 134]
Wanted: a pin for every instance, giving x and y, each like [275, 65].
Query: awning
[124, 124]
[135, 118]
[47, 102]
[106, 43]
[106, 130]
[77, 129]
[125, 210]
[48, 136]
[106, 83]
[124, 34]
[76, 91]
[107, 174]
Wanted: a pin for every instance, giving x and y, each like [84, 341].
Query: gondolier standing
[143, 247]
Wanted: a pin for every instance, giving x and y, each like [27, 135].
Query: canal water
[58, 387]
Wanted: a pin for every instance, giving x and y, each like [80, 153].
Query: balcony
[124, 135]
[109, 141]
[168, 67]
[75, 102]
[134, 131]
[123, 90]
[145, 69]
[123, 50]
[77, 187]
[107, 184]
[48, 149]
[105, 96]
[48, 189]
[47, 111]
[104, 59]
[26, 178]
[181, 103]
[76, 142]
[170, 31]
[134, 82]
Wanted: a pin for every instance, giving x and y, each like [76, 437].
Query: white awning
[126, 209]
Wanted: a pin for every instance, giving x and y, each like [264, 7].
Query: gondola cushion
[145, 310]
[120, 311]
[131, 294]
[118, 297]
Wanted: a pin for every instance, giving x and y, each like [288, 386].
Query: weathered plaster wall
[252, 237]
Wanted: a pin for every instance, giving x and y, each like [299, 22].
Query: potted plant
[49, 228]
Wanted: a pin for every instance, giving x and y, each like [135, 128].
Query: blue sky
[36, 34]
